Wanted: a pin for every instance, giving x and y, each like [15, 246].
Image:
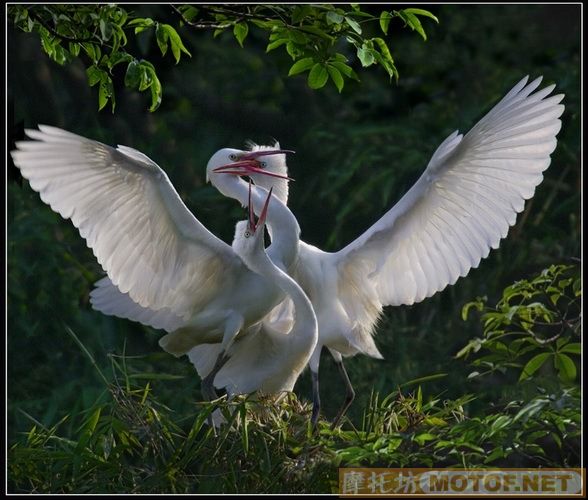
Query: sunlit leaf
[336, 77]
[301, 65]
[318, 76]
[240, 31]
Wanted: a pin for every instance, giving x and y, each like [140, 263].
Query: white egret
[268, 360]
[162, 263]
[460, 208]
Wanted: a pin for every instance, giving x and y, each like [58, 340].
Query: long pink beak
[263, 215]
[248, 164]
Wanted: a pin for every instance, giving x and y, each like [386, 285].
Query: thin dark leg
[316, 399]
[349, 395]
[207, 387]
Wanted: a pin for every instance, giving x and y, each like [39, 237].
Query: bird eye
[232, 157]
[263, 164]
[247, 234]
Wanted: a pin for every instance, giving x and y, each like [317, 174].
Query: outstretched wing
[109, 300]
[124, 205]
[465, 201]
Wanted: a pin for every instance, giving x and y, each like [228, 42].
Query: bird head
[276, 164]
[249, 235]
[264, 165]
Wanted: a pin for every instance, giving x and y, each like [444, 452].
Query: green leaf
[565, 366]
[534, 364]
[141, 24]
[189, 12]
[74, 48]
[388, 66]
[301, 65]
[156, 93]
[333, 17]
[353, 24]
[141, 21]
[366, 56]
[133, 75]
[240, 31]
[106, 30]
[88, 429]
[94, 75]
[146, 77]
[424, 437]
[385, 18]
[315, 31]
[500, 423]
[335, 75]
[478, 304]
[162, 38]
[297, 37]
[293, 50]
[414, 23]
[177, 46]
[300, 12]
[106, 92]
[422, 12]
[435, 421]
[119, 57]
[275, 44]
[494, 455]
[318, 76]
[345, 69]
[93, 51]
[384, 50]
[102, 97]
[574, 348]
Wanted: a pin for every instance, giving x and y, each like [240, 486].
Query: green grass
[132, 443]
[129, 441]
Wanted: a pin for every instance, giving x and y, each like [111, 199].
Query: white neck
[283, 226]
[305, 327]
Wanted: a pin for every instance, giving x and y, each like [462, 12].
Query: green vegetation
[129, 441]
[310, 34]
[94, 405]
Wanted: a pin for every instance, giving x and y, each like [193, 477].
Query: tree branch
[55, 33]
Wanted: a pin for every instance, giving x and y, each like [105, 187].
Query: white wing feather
[124, 205]
[109, 300]
[464, 203]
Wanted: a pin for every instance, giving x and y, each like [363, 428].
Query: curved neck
[283, 226]
[305, 325]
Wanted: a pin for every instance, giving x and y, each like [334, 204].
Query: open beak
[261, 221]
[248, 164]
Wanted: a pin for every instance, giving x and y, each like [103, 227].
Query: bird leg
[349, 394]
[233, 325]
[316, 399]
[313, 364]
[207, 387]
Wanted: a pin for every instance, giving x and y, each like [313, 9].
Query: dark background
[356, 153]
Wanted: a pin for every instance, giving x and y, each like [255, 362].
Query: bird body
[462, 206]
[268, 360]
[163, 265]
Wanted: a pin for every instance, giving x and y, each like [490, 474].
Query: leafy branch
[316, 37]
[534, 322]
